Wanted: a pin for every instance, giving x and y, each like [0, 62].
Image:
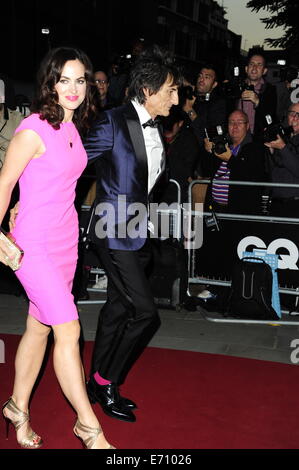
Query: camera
[202, 98]
[273, 129]
[245, 86]
[122, 64]
[234, 88]
[219, 139]
[288, 74]
[187, 93]
[211, 222]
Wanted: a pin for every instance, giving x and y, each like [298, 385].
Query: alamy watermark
[123, 219]
[295, 93]
[295, 353]
[2, 352]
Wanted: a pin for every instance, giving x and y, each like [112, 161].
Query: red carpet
[221, 403]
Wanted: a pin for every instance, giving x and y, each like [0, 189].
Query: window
[182, 44]
[165, 3]
[164, 33]
[203, 13]
[185, 7]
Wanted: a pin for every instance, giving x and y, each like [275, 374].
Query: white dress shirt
[153, 145]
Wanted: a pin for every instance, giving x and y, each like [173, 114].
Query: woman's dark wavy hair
[46, 101]
[151, 70]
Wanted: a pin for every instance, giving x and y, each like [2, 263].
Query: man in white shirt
[127, 148]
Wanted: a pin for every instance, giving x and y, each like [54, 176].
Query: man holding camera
[284, 168]
[207, 108]
[259, 97]
[241, 160]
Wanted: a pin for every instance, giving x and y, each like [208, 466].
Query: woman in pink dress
[47, 157]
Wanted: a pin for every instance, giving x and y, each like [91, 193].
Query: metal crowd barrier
[192, 279]
[244, 217]
[175, 217]
[94, 270]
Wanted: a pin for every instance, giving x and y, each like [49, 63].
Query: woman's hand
[13, 216]
[5, 253]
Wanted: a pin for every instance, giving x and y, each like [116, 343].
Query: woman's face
[71, 87]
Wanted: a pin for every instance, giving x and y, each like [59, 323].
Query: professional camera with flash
[219, 139]
[234, 88]
[187, 92]
[274, 129]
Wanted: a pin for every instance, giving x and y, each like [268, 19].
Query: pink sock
[100, 379]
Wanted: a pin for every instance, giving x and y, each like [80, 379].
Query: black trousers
[129, 318]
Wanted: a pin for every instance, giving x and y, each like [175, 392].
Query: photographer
[118, 78]
[241, 160]
[10, 117]
[284, 168]
[182, 155]
[284, 90]
[206, 107]
[261, 99]
[104, 100]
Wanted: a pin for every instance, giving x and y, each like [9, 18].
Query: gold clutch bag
[14, 262]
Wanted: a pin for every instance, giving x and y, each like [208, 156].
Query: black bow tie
[151, 123]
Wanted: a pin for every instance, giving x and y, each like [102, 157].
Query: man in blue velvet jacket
[127, 147]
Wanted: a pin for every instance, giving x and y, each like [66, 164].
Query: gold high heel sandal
[32, 441]
[91, 434]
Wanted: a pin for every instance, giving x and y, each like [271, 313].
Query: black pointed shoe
[110, 400]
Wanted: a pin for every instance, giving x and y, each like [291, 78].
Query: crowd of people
[190, 134]
[205, 104]
[132, 131]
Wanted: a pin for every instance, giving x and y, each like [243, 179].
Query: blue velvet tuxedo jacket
[116, 144]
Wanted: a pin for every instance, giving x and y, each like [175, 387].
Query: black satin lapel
[137, 139]
[163, 162]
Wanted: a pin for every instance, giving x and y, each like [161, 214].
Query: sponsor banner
[221, 249]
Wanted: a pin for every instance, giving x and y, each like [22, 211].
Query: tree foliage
[283, 13]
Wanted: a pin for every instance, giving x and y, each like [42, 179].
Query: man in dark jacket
[284, 168]
[128, 151]
[243, 160]
[183, 155]
[260, 101]
[208, 108]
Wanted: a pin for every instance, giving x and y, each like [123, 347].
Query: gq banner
[221, 249]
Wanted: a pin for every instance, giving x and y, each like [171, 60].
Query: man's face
[206, 81]
[293, 117]
[255, 68]
[237, 127]
[159, 104]
[101, 80]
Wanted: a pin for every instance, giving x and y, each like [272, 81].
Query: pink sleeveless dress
[47, 223]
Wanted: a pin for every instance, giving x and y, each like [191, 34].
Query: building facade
[194, 30]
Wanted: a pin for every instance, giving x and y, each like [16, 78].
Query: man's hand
[208, 145]
[278, 144]
[188, 105]
[249, 95]
[225, 156]
[188, 108]
[13, 216]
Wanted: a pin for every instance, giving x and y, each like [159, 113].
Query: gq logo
[286, 261]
